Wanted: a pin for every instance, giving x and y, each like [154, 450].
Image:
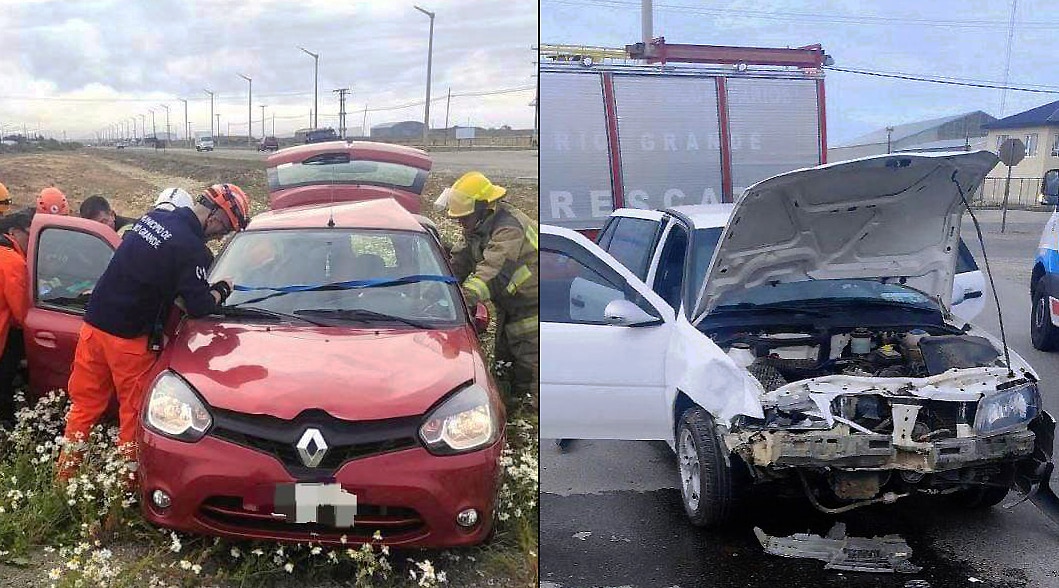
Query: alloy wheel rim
[689, 470]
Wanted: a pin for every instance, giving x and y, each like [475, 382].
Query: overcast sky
[81, 66]
[934, 37]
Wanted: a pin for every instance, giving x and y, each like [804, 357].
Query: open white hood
[887, 216]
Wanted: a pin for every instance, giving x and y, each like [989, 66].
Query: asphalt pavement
[611, 514]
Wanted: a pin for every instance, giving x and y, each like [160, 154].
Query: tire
[979, 498]
[1043, 334]
[710, 490]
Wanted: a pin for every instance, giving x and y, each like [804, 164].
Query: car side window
[964, 260]
[576, 287]
[632, 243]
[606, 235]
[68, 265]
[670, 274]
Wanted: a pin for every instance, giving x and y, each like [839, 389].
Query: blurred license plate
[326, 504]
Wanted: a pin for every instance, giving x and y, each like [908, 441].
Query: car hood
[889, 216]
[353, 374]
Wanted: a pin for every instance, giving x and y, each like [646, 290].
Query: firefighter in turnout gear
[498, 263]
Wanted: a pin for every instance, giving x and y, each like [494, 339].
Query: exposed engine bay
[862, 415]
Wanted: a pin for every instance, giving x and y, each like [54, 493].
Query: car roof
[380, 213]
[702, 216]
[358, 151]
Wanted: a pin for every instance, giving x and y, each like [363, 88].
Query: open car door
[604, 337]
[66, 257]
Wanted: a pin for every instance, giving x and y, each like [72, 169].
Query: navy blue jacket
[162, 256]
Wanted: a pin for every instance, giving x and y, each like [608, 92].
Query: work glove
[223, 288]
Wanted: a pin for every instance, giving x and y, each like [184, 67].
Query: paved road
[507, 164]
[611, 513]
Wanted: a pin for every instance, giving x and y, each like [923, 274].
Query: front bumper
[411, 496]
[876, 451]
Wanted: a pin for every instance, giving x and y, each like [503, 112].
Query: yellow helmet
[472, 187]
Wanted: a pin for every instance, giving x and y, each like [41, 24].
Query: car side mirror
[622, 313]
[1050, 187]
[481, 318]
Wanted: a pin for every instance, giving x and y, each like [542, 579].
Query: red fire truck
[660, 125]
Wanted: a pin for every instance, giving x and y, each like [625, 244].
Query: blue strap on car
[350, 284]
[347, 285]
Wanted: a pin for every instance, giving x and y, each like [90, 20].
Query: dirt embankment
[131, 180]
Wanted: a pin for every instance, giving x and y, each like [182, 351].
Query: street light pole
[263, 121]
[166, 107]
[187, 131]
[211, 114]
[154, 130]
[430, 56]
[249, 108]
[143, 126]
[316, 85]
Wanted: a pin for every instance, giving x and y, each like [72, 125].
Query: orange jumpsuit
[14, 304]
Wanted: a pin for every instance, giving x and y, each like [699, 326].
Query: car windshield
[272, 262]
[824, 291]
[703, 244]
[337, 168]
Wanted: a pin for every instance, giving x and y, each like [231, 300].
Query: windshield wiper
[256, 311]
[875, 302]
[361, 314]
[750, 306]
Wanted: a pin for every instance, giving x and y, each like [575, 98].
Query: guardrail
[1024, 194]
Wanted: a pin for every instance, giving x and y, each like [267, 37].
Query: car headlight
[1008, 409]
[175, 410]
[465, 422]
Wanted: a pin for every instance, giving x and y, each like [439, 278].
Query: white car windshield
[341, 275]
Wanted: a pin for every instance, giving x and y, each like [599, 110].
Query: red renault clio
[339, 392]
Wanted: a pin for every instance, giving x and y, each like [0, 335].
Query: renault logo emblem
[312, 448]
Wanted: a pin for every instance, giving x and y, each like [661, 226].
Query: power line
[814, 17]
[919, 78]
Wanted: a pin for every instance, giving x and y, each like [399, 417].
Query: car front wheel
[708, 486]
[1043, 334]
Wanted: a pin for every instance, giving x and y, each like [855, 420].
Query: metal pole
[316, 86]
[646, 24]
[448, 102]
[263, 120]
[187, 129]
[364, 123]
[166, 122]
[154, 130]
[1007, 188]
[889, 131]
[211, 114]
[430, 56]
[249, 110]
[215, 141]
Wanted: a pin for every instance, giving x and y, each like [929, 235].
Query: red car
[347, 171]
[300, 413]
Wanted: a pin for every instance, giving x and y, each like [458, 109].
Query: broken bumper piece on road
[889, 553]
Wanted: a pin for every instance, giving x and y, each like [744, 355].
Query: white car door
[968, 286]
[602, 364]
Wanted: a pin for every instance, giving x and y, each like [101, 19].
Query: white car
[653, 244]
[820, 349]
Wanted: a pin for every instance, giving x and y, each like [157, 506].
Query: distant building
[1038, 128]
[960, 131]
[408, 129]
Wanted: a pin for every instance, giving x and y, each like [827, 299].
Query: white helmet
[173, 198]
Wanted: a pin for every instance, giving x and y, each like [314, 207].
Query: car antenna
[988, 272]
